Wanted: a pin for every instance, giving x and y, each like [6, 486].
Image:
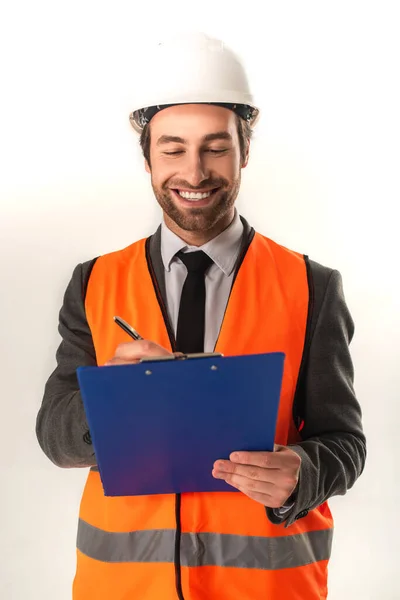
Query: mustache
[209, 183]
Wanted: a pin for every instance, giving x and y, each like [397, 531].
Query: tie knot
[195, 261]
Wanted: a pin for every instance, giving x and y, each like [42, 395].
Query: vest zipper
[177, 551]
[178, 524]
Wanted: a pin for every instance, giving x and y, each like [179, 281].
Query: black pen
[127, 328]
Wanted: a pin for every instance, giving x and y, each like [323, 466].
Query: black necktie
[190, 329]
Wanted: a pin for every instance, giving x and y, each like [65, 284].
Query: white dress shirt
[224, 251]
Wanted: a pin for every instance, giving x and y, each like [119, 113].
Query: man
[187, 288]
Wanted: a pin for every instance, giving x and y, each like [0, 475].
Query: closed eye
[210, 150]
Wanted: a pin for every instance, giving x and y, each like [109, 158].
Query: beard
[198, 218]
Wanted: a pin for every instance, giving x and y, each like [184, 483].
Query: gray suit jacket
[332, 446]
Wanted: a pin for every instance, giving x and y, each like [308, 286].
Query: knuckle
[146, 346]
[266, 460]
[232, 480]
[123, 350]
[253, 474]
[296, 458]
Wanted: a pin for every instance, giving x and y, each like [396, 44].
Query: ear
[246, 160]
[147, 166]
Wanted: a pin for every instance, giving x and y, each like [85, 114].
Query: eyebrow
[210, 137]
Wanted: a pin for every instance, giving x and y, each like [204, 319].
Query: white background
[323, 179]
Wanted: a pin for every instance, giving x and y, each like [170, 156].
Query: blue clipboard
[157, 427]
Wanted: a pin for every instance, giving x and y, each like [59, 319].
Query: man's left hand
[267, 477]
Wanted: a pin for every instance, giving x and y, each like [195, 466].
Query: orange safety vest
[228, 548]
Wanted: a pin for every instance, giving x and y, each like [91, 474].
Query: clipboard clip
[182, 357]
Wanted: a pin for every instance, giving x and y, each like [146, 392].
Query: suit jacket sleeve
[333, 447]
[61, 426]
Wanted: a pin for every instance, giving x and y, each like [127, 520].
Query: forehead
[193, 122]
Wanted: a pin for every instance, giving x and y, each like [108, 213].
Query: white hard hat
[193, 69]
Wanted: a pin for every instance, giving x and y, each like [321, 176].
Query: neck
[199, 238]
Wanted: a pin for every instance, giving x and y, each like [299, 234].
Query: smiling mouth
[195, 196]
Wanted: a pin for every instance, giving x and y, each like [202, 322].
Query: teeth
[194, 195]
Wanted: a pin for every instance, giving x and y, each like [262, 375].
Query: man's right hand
[131, 352]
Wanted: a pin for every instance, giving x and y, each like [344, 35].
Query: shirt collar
[223, 249]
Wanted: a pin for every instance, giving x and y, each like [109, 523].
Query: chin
[192, 218]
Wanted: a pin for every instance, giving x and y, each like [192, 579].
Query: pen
[127, 328]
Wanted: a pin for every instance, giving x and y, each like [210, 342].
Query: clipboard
[158, 426]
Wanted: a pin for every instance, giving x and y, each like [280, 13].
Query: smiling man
[186, 289]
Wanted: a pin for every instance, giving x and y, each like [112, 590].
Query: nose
[195, 170]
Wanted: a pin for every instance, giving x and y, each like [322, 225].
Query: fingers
[269, 487]
[247, 474]
[118, 361]
[281, 458]
[267, 494]
[139, 349]
[267, 477]
[132, 352]
[265, 460]
[241, 481]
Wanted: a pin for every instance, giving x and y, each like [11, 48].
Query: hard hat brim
[138, 121]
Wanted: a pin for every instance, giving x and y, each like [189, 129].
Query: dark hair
[244, 132]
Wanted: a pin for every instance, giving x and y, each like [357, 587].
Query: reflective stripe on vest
[206, 549]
